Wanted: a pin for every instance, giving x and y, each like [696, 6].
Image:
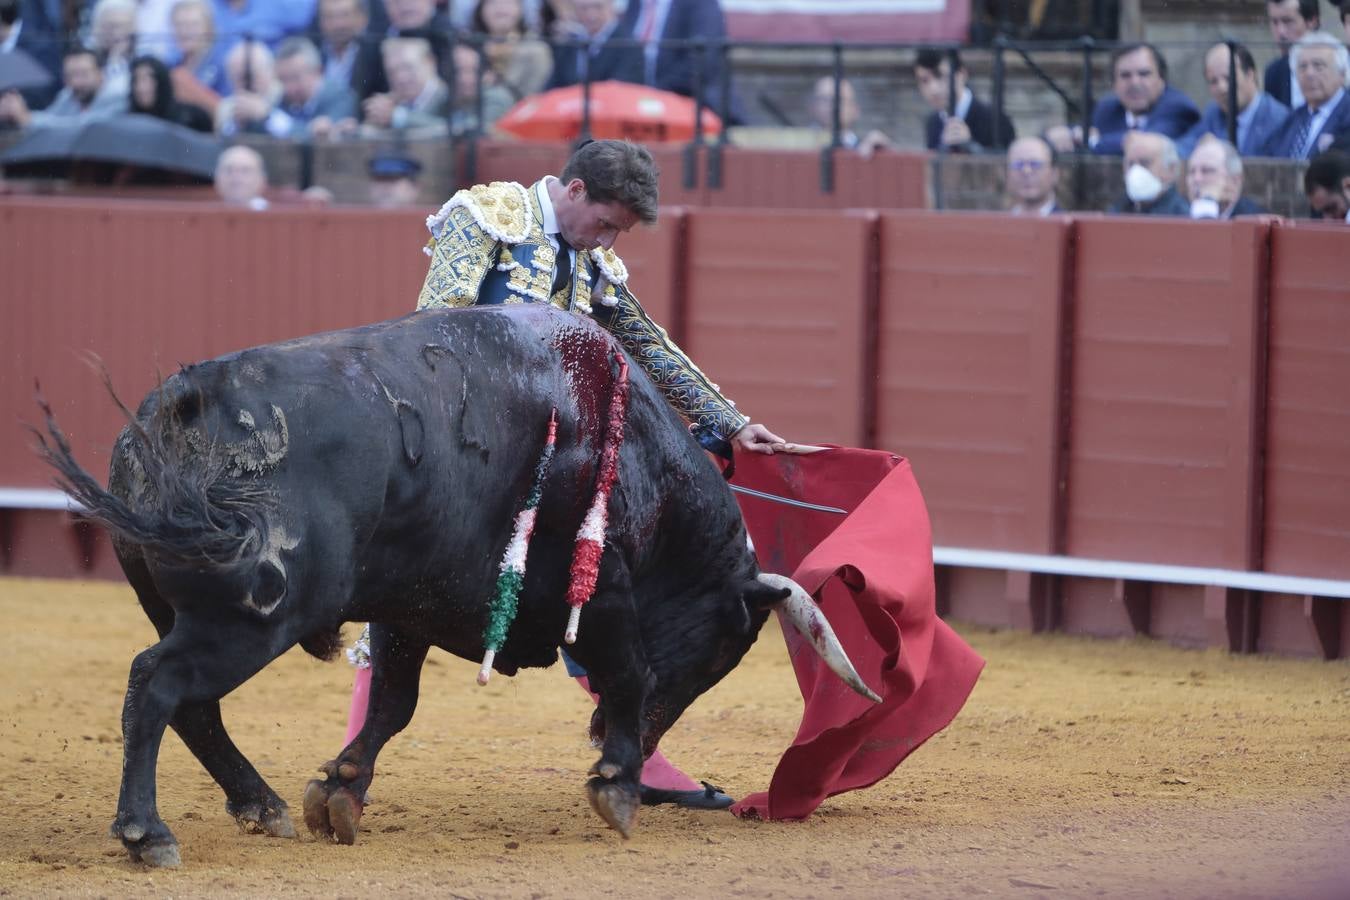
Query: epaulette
[501, 209]
[613, 274]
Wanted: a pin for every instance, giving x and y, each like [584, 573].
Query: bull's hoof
[344, 813]
[332, 814]
[616, 804]
[159, 855]
[150, 843]
[316, 810]
[255, 818]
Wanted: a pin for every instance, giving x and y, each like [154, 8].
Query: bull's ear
[758, 595]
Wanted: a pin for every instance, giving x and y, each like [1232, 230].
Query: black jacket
[980, 119]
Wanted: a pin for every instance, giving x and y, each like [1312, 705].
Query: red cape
[871, 571]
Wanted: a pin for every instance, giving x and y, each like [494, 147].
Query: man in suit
[406, 18]
[418, 97]
[1141, 100]
[822, 110]
[1152, 167]
[1289, 21]
[313, 103]
[340, 25]
[674, 68]
[1214, 182]
[598, 53]
[1322, 67]
[1259, 114]
[1033, 177]
[967, 126]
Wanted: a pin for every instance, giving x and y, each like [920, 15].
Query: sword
[788, 501]
[800, 450]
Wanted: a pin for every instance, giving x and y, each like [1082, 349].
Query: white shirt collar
[962, 106]
[12, 39]
[547, 214]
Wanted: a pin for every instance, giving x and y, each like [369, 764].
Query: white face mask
[1141, 185]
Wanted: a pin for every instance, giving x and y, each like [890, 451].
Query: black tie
[562, 272]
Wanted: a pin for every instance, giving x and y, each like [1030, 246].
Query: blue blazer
[1266, 120]
[1277, 78]
[608, 63]
[1173, 115]
[687, 20]
[1282, 143]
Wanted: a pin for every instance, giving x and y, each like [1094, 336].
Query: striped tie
[1301, 139]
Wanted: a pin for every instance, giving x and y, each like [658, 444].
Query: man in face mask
[1152, 168]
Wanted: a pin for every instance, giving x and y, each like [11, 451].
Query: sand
[1078, 768]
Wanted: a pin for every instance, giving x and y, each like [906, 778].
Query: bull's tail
[178, 504]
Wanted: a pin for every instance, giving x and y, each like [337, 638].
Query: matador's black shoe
[710, 797]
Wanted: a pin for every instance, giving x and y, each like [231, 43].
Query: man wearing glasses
[1033, 176]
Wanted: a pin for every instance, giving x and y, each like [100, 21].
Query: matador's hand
[757, 439]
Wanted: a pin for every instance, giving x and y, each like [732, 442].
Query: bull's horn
[806, 617]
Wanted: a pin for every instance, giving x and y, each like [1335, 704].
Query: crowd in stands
[330, 69]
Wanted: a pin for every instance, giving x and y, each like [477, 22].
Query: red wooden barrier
[1166, 391]
[1307, 500]
[776, 315]
[148, 286]
[970, 329]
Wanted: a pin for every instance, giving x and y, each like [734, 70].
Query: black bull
[264, 498]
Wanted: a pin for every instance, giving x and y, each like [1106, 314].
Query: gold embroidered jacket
[488, 246]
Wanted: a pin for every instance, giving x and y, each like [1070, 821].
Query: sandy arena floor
[1079, 768]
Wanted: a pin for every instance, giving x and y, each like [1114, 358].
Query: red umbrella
[617, 110]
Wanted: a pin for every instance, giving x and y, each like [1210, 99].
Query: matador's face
[587, 224]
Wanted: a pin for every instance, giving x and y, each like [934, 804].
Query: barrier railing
[1123, 392]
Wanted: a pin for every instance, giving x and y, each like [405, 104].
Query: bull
[264, 498]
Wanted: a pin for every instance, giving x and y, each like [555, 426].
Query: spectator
[464, 111]
[254, 94]
[1033, 177]
[80, 98]
[970, 128]
[1289, 21]
[36, 29]
[599, 30]
[341, 24]
[393, 181]
[1259, 114]
[1327, 186]
[1214, 181]
[152, 95]
[1141, 101]
[521, 63]
[671, 67]
[268, 21]
[154, 36]
[1322, 69]
[313, 104]
[112, 36]
[1151, 167]
[406, 18]
[241, 178]
[417, 97]
[197, 61]
[822, 110]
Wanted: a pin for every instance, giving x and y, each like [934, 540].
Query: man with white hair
[1152, 167]
[1214, 181]
[241, 178]
[112, 35]
[1322, 68]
